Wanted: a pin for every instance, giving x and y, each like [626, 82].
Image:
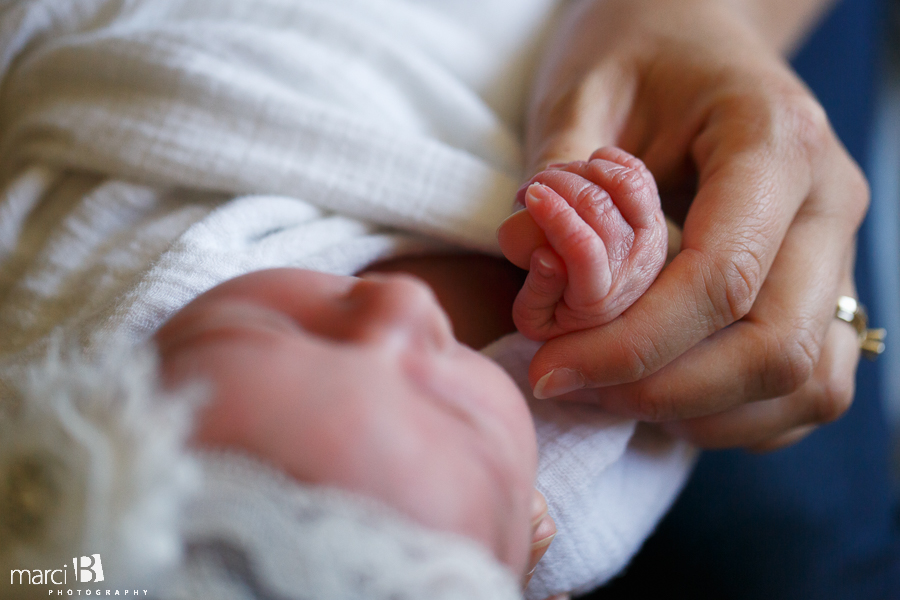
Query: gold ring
[871, 341]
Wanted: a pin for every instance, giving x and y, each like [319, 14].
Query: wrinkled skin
[735, 343]
[601, 241]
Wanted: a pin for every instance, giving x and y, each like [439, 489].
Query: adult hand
[736, 342]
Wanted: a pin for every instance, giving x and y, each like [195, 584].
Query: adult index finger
[775, 350]
[779, 346]
[752, 183]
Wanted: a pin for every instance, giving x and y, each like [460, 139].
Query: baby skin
[592, 237]
[359, 384]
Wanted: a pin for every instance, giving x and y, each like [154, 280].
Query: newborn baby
[593, 239]
[359, 384]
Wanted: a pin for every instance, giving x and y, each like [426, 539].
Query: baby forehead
[280, 287]
[223, 319]
[264, 294]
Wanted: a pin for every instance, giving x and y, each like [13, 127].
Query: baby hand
[597, 240]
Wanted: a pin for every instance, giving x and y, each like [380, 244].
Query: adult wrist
[784, 25]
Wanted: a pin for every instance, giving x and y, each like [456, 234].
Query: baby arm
[603, 241]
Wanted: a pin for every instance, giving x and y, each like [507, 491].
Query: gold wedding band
[871, 341]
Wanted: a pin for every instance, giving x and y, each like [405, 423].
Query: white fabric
[607, 480]
[94, 460]
[150, 149]
[257, 535]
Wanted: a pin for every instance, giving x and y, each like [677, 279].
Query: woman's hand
[736, 342]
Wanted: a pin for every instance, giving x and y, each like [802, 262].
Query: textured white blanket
[150, 149]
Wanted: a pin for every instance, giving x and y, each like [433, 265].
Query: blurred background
[852, 63]
[881, 159]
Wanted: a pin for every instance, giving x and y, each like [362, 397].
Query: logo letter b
[91, 569]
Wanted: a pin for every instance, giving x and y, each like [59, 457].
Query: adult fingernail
[558, 382]
[556, 165]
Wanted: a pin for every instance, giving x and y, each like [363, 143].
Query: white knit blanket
[151, 149]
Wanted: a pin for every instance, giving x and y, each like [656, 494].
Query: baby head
[360, 384]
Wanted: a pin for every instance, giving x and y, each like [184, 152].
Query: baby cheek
[508, 433]
[458, 483]
[500, 399]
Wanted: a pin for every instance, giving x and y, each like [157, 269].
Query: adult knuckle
[638, 359]
[847, 200]
[780, 118]
[793, 360]
[859, 194]
[634, 365]
[736, 280]
[803, 121]
[653, 407]
[636, 368]
[642, 352]
[834, 397]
